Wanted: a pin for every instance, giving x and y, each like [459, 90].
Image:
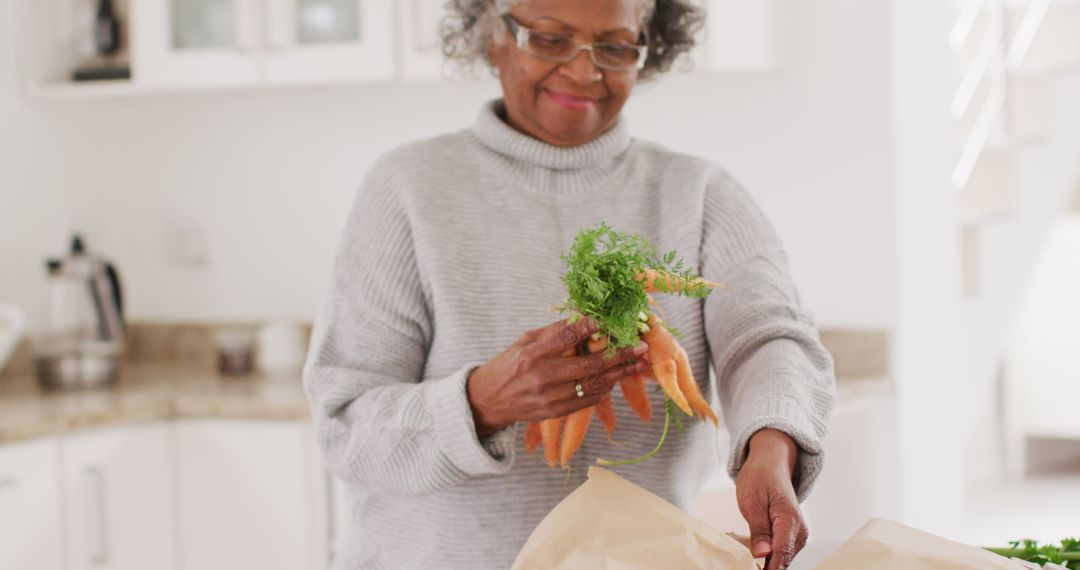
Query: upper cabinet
[195, 42]
[328, 40]
[243, 42]
[183, 44]
[419, 41]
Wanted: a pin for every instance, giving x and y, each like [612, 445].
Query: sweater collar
[504, 139]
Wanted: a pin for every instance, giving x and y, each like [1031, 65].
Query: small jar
[235, 351]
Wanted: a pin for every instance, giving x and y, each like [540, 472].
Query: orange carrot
[637, 396]
[663, 349]
[577, 424]
[690, 387]
[651, 279]
[549, 434]
[551, 428]
[605, 410]
[662, 345]
[667, 375]
[532, 437]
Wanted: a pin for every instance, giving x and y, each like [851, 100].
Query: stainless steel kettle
[83, 338]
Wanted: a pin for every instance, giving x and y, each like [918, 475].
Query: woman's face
[570, 103]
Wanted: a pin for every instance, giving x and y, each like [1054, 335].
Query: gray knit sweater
[451, 252]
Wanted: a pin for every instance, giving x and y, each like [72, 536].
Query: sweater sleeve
[772, 370]
[379, 423]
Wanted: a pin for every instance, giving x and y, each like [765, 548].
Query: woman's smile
[570, 101]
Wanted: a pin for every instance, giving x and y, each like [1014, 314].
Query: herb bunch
[1066, 554]
[602, 281]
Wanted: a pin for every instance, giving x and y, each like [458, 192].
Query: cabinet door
[187, 43]
[311, 41]
[30, 515]
[119, 499]
[246, 491]
[861, 470]
[419, 41]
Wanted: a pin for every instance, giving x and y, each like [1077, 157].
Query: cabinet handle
[423, 38]
[245, 21]
[6, 481]
[96, 524]
[278, 25]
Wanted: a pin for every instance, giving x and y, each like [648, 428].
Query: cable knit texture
[451, 252]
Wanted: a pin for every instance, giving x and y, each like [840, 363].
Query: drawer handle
[96, 525]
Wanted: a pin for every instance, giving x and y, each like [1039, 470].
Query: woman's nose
[581, 69]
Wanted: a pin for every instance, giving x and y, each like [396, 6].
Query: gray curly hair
[670, 27]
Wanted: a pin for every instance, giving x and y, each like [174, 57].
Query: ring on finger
[578, 389]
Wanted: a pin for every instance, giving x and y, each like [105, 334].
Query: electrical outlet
[185, 245]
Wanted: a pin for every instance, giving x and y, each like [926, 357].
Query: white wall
[1043, 349]
[265, 177]
[926, 364]
[1045, 181]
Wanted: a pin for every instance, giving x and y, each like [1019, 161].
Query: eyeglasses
[613, 56]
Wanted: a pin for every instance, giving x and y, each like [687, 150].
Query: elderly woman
[435, 346]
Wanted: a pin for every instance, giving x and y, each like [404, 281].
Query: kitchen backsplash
[858, 353]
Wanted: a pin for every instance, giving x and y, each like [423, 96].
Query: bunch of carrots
[609, 278]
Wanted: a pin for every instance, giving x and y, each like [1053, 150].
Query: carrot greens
[603, 281]
[1066, 554]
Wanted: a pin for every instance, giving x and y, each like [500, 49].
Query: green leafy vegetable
[1066, 554]
[602, 282]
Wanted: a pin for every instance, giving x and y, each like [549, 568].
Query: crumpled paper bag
[886, 545]
[609, 523]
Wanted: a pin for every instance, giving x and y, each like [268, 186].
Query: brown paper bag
[608, 523]
[885, 545]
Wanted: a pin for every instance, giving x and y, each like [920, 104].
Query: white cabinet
[328, 41]
[186, 494]
[250, 496]
[30, 518]
[118, 498]
[195, 42]
[860, 478]
[185, 43]
[419, 41]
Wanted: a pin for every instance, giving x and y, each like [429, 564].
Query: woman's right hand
[532, 380]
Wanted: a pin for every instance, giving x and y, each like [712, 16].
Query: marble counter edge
[185, 394]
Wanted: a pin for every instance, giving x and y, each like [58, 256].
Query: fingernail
[640, 349]
[761, 549]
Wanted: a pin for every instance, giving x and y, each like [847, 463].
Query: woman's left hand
[767, 499]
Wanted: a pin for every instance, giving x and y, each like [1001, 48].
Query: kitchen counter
[146, 392]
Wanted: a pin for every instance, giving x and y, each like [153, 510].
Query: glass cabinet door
[327, 21]
[329, 40]
[196, 42]
[202, 24]
[188, 43]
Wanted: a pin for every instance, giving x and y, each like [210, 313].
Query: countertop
[151, 392]
[146, 392]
